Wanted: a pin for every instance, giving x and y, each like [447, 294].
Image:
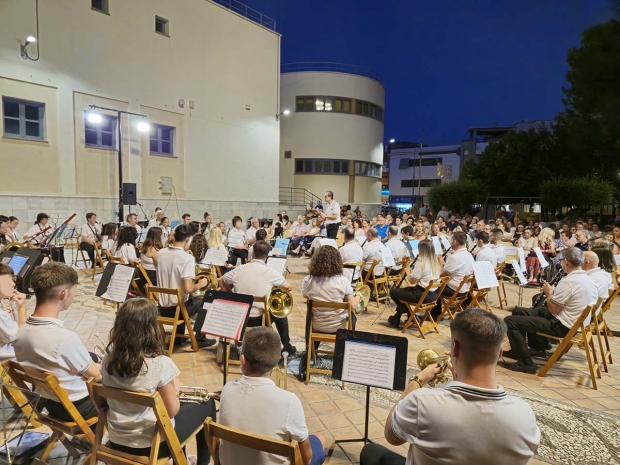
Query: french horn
[280, 303]
[12, 246]
[363, 291]
[211, 286]
[428, 357]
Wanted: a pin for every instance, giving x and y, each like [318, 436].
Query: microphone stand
[142, 209]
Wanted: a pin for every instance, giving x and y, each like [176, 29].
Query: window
[424, 183]
[369, 109]
[102, 6]
[23, 119]
[161, 140]
[367, 169]
[321, 103]
[321, 166]
[101, 135]
[162, 26]
[426, 161]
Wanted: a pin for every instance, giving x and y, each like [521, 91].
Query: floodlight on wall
[94, 118]
[392, 141]
[143, 127]
[285, 112]
[23, 48]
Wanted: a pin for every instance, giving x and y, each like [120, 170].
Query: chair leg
[557, 354]
[600, 346]
[308, 356]
[51, 442]
[67, 443]
[591, 366]
[173, 336]
[190, 330]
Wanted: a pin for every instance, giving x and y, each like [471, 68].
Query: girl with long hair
[136, 360]
[419, 234]
[12, 233]
[150, 247]
[108, 237]
[198, 247]
[604, 250]
[326, 283]
[426, 268]
[166, 231]
[216, 240]
[359, 228]
[125, 244]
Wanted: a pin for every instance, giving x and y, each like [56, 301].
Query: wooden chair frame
[164, 431]
[323, 337]
[377, 283]
[580, 333]
[600, 328]
[78, 428]
[216, 432]
[181, 311]
[451, 305]
[396, 279]
[360, 267]
[501, 289]
[80, 253]
[434, 285]
[16, 398]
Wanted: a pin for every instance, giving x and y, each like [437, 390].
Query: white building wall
[331, 135]
[226, 147]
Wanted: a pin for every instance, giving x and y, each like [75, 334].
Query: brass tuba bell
[427, 357]
[280, 303]
[363, 290]
[211, 286]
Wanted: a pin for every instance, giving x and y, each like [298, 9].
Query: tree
[459, 196]
[574, 192]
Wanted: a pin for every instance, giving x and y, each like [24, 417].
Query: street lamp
[142, 126]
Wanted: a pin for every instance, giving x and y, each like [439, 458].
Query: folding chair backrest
[144, 274]
[607, 304]
[217, 432]
[153, 291]
[336, 305]
[120, 260]
[262, 299]
[371, 272]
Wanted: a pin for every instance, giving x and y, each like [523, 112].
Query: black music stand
[354, 360]
[237, 334]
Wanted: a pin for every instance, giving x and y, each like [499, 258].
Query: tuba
[427, 357]
[279, 303]
[202, 273]
[363, 290]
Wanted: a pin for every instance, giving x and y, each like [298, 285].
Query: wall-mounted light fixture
[23, 48]
[285, 112]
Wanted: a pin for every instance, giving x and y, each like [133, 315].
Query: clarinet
[473, 248]
[542, 298]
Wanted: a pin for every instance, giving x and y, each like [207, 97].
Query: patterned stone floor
[340, 414]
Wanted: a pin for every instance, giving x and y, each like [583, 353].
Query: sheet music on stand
[216, 257]
[521, 258]
[227, 314]
[386, 256]
[326, 241]
[352, 272]
[414, 243]
[541, 258]
[141, 235]
[445, 242]
[69, 232]
[115, 282]
[519, 272]
[277, 263]
[617, 259]
[281, 244]
[485, 275]
[437, 245]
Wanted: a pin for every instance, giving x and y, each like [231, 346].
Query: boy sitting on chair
[254, 404]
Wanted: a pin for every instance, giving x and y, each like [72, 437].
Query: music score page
[369, 364]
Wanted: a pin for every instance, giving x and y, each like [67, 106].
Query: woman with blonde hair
[426, 268]
[419, 234]
[216, 240]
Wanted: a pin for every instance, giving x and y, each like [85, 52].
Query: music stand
[115, 282]
[226, 317]
[371, 360]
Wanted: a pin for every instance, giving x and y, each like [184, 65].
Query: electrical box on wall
[165, 185]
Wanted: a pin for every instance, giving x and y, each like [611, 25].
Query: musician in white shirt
[351, 251]
[497, 246]
[12, 233]
[9, 325]
[159, 215]
[125, 244]
[91, 234]
[371, 252]
[237, 242]
[398, 249]
[485, 251]
[601, 278]
[36, 230]
[108, 238]
[165, 230]
[132, 220]
[331, 215]
[250, 234]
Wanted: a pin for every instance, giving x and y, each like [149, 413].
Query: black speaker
[129, 193]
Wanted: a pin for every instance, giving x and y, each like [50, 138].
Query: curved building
[332, 138]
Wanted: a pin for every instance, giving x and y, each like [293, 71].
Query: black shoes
[510, 354]
[291, 350]
[394, 321]
[539, 353]
[205, 342]
[522, 367]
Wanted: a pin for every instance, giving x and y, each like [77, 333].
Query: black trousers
[90, 251]
[332, 230]
[410, 294]
[376, 454]
[84, 405]
[527, 322]
[238, 253]
[447, 292]
[194, 307]
[189, 417]
[281, 327]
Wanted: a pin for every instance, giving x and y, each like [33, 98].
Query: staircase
[297, 196]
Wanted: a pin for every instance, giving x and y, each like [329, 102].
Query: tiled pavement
[336, 415]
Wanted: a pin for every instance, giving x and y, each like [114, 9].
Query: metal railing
[330, 67]
[297, 196]
[249, 13]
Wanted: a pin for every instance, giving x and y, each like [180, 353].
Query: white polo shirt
[399, 251]
[36, 229]
[500, 252]
[458, 265]
[256, 405]
[602, 279]
[573, 293]
[487, 254]
[333, 209]
[90, 232]
[460, 424]
[45, 344]
[370, 253]
[251, 233]
[127, 252]
[422, 274]
[236, 237]
[153, 223]
[254, 278]
[332, 289]
[174, 265]
[8, 332]
[351, 252]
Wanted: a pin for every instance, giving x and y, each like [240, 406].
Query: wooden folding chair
[164, 430]
[600, 328]
[479, 297]
[216, 432]
[580, 333]
[378, 283]
[323, 337]
[81, 253]
[607, 305]
[397, 279]
[435, 285]
[501, 289]
[17, 399]
[180, 316]
[339, 239]
[79, 428]
[450, 305]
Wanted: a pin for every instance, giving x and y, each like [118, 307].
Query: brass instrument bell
[211, 286]
[427, 357]
[363, 291]
[280, 303]
[12, 246]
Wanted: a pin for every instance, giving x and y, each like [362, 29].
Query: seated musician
[37, 230]
[472, 420]
[257, 279]
[125, 244]
[222, 227]
[216, 239]
[299, 232]
[12, 233]
[91, 234]
[156, 222]
[108, 237]
[237, 242]
[132, 220]
[136, 360]
[198, 247]
[176, 269]
[43, 343]
[250, 234]
[398, 249]
[148, 253]
[564, 306]
[8, 325]
[497, 246]
[459, 264]
[326, 283]
[484, 251]
[597, 274]
[207, 225]
[4, 231]
[426, 268]
[261, 235]
[166, 231]
[254, 404]
[351, 251]
[371, 252]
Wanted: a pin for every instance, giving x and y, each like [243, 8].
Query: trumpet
[99, 349]
[193, 394]
[281, 373]
[427, 357]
